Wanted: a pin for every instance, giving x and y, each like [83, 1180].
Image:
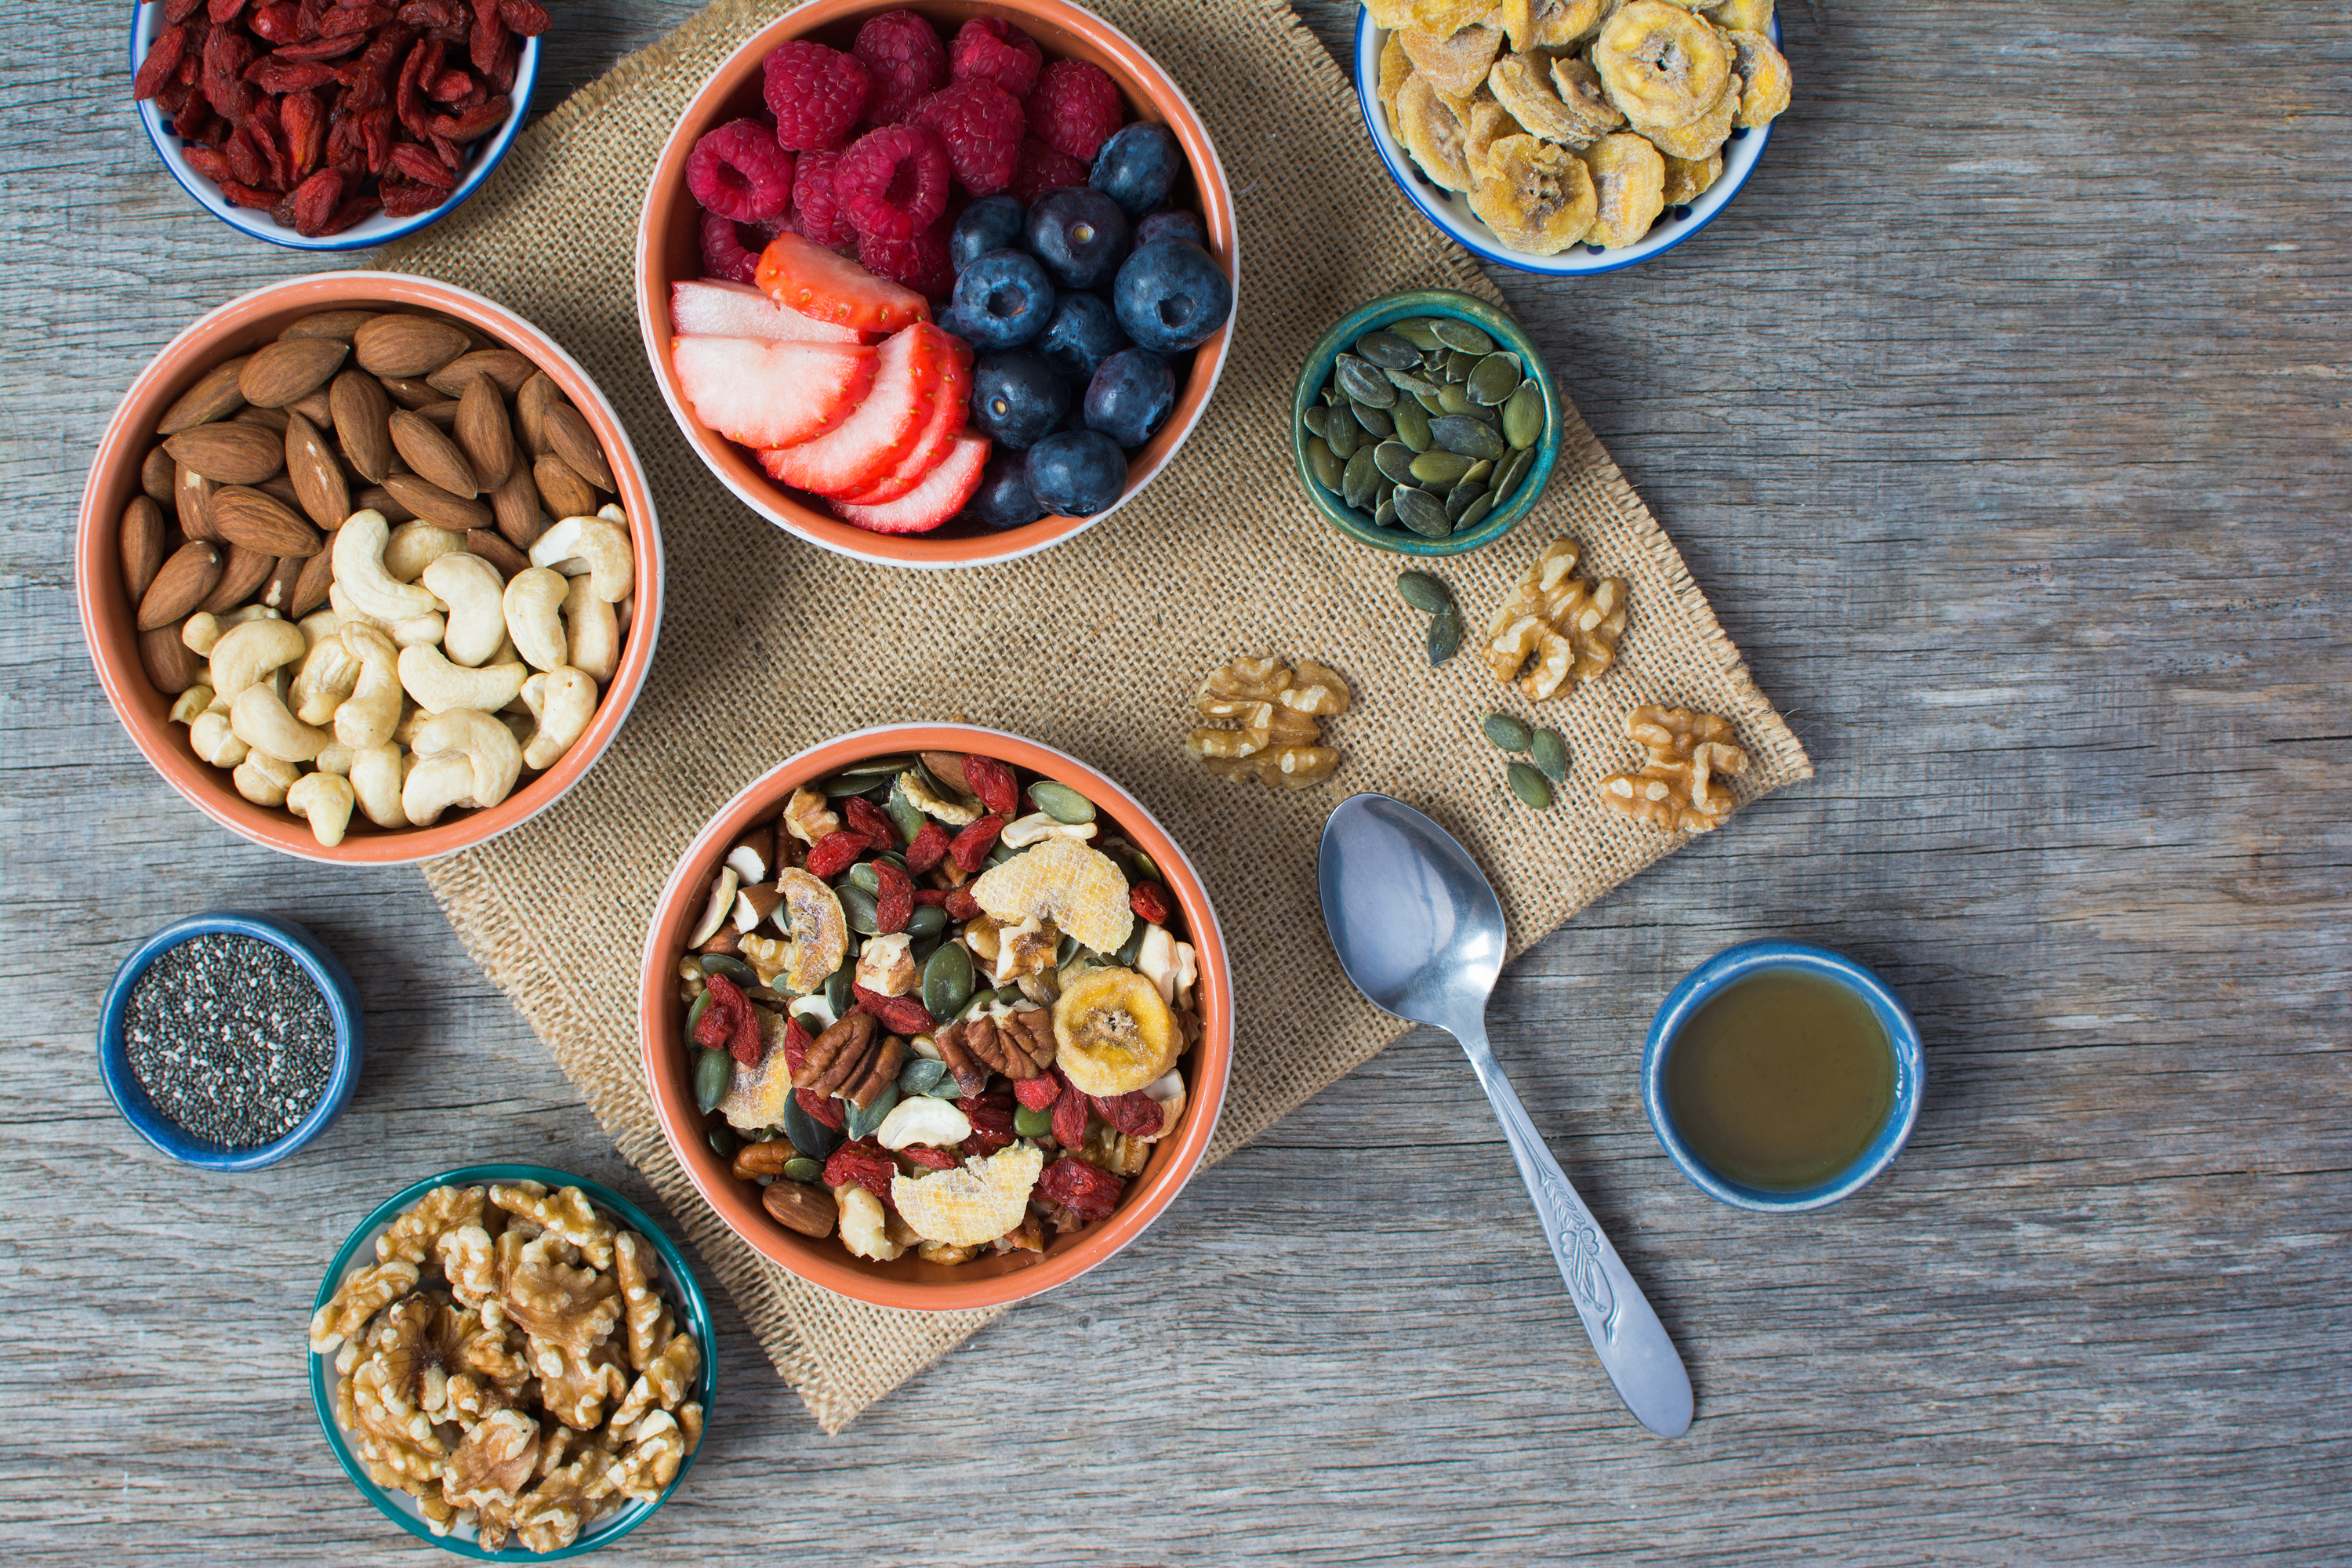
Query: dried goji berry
[502, 76]
[1149, 902]
[279, 22]
[209, 162]
[245, 195]
[1137, 1114]
[834, 853]
[403, 198]
[935, 897]
[934, 1159]
[408, 100]
[375, 130]
[332, 48]
[222, 10]
[927, 849]
[354, 19]
[824, 1107]
[893, 897]
[316, 201]
[991, 1127]
[422, 167]
[525, 17]
[244, 157]
[899, 1015]
[729, 1024]
[866, 1162]
[195, 120]
[226, 54]
[796, 1045]
[433, 14]
[178, 11]
[863, 815]
[993, 782]
[1069, 1114]
[271, 74]
[961, 905]
[1086, 1191]
[972, 846]
[303, 119]
[487, 37]
[454, 87]
[1038, 1093]
[162, 63]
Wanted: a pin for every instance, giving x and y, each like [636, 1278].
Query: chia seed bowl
[281, 1033]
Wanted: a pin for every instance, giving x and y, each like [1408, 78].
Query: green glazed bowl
[678, 1288]
[1397, 308]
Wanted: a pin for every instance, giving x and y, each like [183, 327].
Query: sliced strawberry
[875, 439]
[803, 275]
[774, 394]
[942, 426]
[938, 497]
[715, 309]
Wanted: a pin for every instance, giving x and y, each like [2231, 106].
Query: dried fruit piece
[970, 846]
[1550, 24]
[993, 782]
[927, 849]
[975, 1204]
[1629, 185]
[900, 1015]
[1149, 902]
[835, 853]
[1076, 886]
[1524, 87]
[1764, 77]
[1702, 137]
[866, 1162]
[1088, 1191]
[1536, 197]
[1114, 1033]
[728, 1023]
[893, 897]
[1432, 134]
[1454, 66]
[1660, 64]
[863, 817]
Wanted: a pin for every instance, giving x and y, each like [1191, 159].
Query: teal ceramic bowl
[1316, 372]
[678, 1288]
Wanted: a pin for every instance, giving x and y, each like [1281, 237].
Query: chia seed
[230, 1039]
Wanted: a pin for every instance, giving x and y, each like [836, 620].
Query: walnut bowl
[909, 1282]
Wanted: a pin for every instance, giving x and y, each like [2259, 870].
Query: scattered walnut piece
[1677, 791]
[1567, 627]
[1272, 733]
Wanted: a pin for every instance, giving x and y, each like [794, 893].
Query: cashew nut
[189, 704]
[533, 605]
[319, 625]
[328, 674]
[1023, 831]
[261, 721]
[367, 715]
[412, 632]
[440, 687]
[486, 745]
[412, 719]
[434, 785]
[325, 801]
[592, 546]
[375, 776]
[202, 632]
[470, 587]
[249, 654]
[562, 700]
[360, 572]
[211, 737]
[596, 644]
[335, 758]
[611, 512]
[414, 546]
[264, 779]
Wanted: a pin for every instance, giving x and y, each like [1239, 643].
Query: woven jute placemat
[770, 645]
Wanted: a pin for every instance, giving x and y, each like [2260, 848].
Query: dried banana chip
[1579, 86]
[1521, 85]
[1743, 15]
[1457, 65]
[1390, 14]
[1551, 24]
[1705, 136]
[1536, 197]
[1433, 135]
[1395, 66]
[1660, 65]
[1765, 72]
[1447, 17]
[1486, 123]
[1629, 186]
[1687, 178]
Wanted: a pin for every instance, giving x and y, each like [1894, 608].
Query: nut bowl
[107, 613]
[668, 251]
[908, 1281]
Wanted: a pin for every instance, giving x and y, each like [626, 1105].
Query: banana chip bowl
[1450, 210]
[907, 1281]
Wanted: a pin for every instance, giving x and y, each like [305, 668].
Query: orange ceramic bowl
[107, 612]
[908, 1281]
[669, 250]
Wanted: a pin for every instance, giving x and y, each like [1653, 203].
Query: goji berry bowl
[477, 123]
[744, 836]
[670, 252]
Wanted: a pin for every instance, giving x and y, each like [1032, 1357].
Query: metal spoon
[1420, 932]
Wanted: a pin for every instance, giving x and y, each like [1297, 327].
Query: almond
[362, 413]
[492, 547]
[516, 505]
[337, 324]
[568, 434]
[319, 482]
[187, 575]
[155, 477]
[280, 488]
[229, 453]
[278, 591]
[262, 523]
[483, 433]
[433, 457]
[192, 500]
[276, 376]
[409, 391]
[268, 418]
[376, 498]
[532, 403]
[562, 492]
[215, 397]
[171, 666]
[441, 416]
[243, 571]
[507, 368]
[139, 544]
[311, 587]
[402, 345]
[315, 406]
[424, 498]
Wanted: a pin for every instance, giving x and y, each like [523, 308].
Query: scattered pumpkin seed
[1523, 415]
[1362, 477]
[1444, 635]
[1468, 437]
[947, 982]
[1388, 351]
[1362, 384]
[863, 875]
[1511, 734]
[857, 907]
[723, 1142]
[863, 1121]
[1424, 592]
[1324, 464]
[1412, 425]
[1452, 399]
[1061, 802]
[1551, 753]
[1440, 467]
[1529, 786]
[1376, 420]
[1028, 1123]
[919, 1074]
[713, 1071]
[809, 1135]
[801, 1168]
[1394, 458]
[1459, 334]
[1423, 512]
[905, 815]
[928, 921]
[728, 964]
[1420, 332]
[841, 785]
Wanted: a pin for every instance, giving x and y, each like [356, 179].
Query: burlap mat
[770, 645]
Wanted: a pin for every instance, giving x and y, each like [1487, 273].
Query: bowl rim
[98, 585]
[656, 1007]
[370, 232]
[770, 501]
[674, 1260]
[1576, 261]
[1737, 962]
[325, 971]
[1395, 307]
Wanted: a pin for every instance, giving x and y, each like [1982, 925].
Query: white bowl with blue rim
[378, 227]
[1449, 210]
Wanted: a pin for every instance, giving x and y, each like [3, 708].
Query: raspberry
[920, 263]
[989, 48]
[723, 254]
[894, 183]
[1042, 169]
[983, 126]
[1074, 108]
[906, 60]
[738, 172]
[816, 94]
[817, 208]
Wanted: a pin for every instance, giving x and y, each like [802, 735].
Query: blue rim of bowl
[326, 971]
[687, 1294]
[371, 231]
[1737, 963]
[1396, 307]
[1576, 261]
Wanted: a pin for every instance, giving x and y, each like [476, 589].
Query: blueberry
[1136, 167]
[1131, 395]
[1016, 398]
[1002, 299]
[991, 223]
[1170, 296]
[1004, 499]
[1171, 223]
[1080, 234]
[1082, 335]
[1078, 473]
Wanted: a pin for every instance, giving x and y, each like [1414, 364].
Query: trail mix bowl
[935, 1016]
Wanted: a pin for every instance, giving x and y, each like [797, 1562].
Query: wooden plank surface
[2003, 417]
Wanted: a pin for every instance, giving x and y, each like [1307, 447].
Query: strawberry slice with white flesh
[772, 394]
[803, 276]
[944, 425]
[875, 439]
[716, 309]
[939, 497]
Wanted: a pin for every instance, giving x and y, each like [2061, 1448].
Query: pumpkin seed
[905, 815]
[998, 856]
[1444, 635]
[1424, 592]
[1394, 460]
[1458, 365]
[1346, 435]
[1497, 377]
[863, 1123]
[864, 875]
[1358, 483]
[922, 927]
[1420, 332]
[844, 784]
[694, 1013]
[801, 1168]
[1430, 403]
[1330, 395]
[1523, 415]
[919, 1074]
[1376, 420]
[1129, 950]
[1316, 418]
[723, 1142]
[1147, 867]
[1028, 1123]
[1458, 498]
[728, 964]
[1456, 334]
[1362, 384]
[1529, 786]
[837, 993]
[1061, 802]
[1452, 399]
[1475, 513]
[857, 907]
[1413, 382]
[1511, 734]
[947, 982]
[1513, 470]
[1423, 512]
[1550, 755]
[1440, 467]
[1324, 464]
[1386, 517]
[713, 1071]
[1412, 425]
[1470, 437]
[1388, 351]
[809, 1135]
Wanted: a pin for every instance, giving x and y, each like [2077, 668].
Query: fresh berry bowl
[960, 487]
[907, 1281]
[481, 156]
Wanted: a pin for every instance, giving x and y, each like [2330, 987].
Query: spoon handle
[1626, 1334]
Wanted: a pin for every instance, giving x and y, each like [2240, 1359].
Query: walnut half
[1678, 790]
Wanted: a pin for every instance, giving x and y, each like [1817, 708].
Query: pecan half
[970, 1075]
[881, 1075]
[840, 1057]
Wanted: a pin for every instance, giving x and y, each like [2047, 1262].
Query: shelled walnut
[1568, 628]
[1273, 712]
[1677, 791]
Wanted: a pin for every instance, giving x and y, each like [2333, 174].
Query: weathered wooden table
[2003, 417]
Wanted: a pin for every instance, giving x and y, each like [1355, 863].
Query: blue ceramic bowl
[327, 972]
[1738, 962]
[1449, 210]
[377, 228]
[677, 1286]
